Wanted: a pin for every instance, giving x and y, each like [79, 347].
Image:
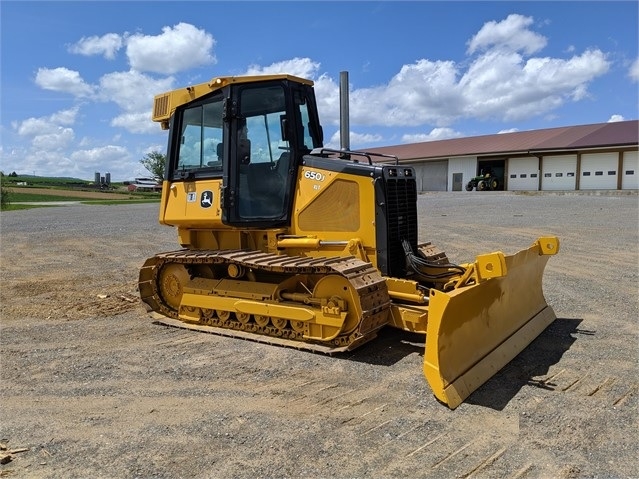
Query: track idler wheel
[172, 279]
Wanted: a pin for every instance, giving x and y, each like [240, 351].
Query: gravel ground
[92, 388]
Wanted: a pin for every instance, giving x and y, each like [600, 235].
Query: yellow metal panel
[476, 330]
[276, 310]
[488, 366]
[405, 290]
[409, 317]
[491, 265]
[338, 206]
[294, 313]
[166, 103]
[244, 289]
[548, 244]
[330, 206]
[183, 204]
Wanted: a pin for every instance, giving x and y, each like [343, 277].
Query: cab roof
[165, 104]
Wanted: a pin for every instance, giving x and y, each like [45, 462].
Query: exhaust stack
[344, 126]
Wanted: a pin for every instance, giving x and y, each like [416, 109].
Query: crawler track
[364, 281]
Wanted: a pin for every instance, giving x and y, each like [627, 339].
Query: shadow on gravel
[392, 345]
[389, 347]
[533, 362]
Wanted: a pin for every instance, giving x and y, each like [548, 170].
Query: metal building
[602, 156]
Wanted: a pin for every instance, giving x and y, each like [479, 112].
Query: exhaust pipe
[344, 127]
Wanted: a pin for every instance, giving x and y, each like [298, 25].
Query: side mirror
[244, 151]
[284, 127]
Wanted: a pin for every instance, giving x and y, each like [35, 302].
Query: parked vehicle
[486, 181]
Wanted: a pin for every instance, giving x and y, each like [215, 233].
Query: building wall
[630, 171]
[588, 171]
[432, 175]
[467, 166]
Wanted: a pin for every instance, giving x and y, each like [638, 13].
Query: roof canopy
[569, 138]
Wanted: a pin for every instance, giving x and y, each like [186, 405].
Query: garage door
[630, 173]
[523, 174]
[599, 171]
[434, 175]
[558, 173]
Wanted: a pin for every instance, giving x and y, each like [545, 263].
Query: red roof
[615, 134]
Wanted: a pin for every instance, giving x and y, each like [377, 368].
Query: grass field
[21, 198]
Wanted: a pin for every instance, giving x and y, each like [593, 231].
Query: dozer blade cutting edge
[474, 331]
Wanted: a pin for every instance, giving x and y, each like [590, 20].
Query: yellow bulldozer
[286, 242]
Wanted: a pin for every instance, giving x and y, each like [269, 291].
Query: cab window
[200, 141]
[263, 153]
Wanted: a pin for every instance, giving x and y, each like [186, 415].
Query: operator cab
[251, 136]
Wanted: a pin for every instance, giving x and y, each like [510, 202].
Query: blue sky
[78, 78]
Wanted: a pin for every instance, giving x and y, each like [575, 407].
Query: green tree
[155, 163]
[4, 195]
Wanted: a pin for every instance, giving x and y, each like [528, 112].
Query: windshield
[201, 137]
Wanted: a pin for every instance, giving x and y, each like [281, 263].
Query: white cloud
[49, 138]
[106, 45]
[53, 150]
[133, 91]
[98, 156]
[633, 73]
[327, 95]
[29, 161]
[497, 85]
[113, 159]
[136, 122]
[424, 92]
[153, 148]
[65, 117]
[357, 140]
[46, 125]
[511, 34]
[434, 135]
[301, 67]
[326, 89]
[64, 80]
[503, 78]
[176, 49]
[506, 87]
[615, 118]
[502, 82]
[54, 141]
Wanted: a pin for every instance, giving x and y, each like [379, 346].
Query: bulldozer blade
[476, 330]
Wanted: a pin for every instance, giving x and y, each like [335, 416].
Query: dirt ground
[92, 388]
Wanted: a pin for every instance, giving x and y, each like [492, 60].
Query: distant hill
[44, 181]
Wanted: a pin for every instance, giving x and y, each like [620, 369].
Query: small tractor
[486, 181]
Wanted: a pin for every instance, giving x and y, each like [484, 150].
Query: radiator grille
[401, 204]
[161, 107]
